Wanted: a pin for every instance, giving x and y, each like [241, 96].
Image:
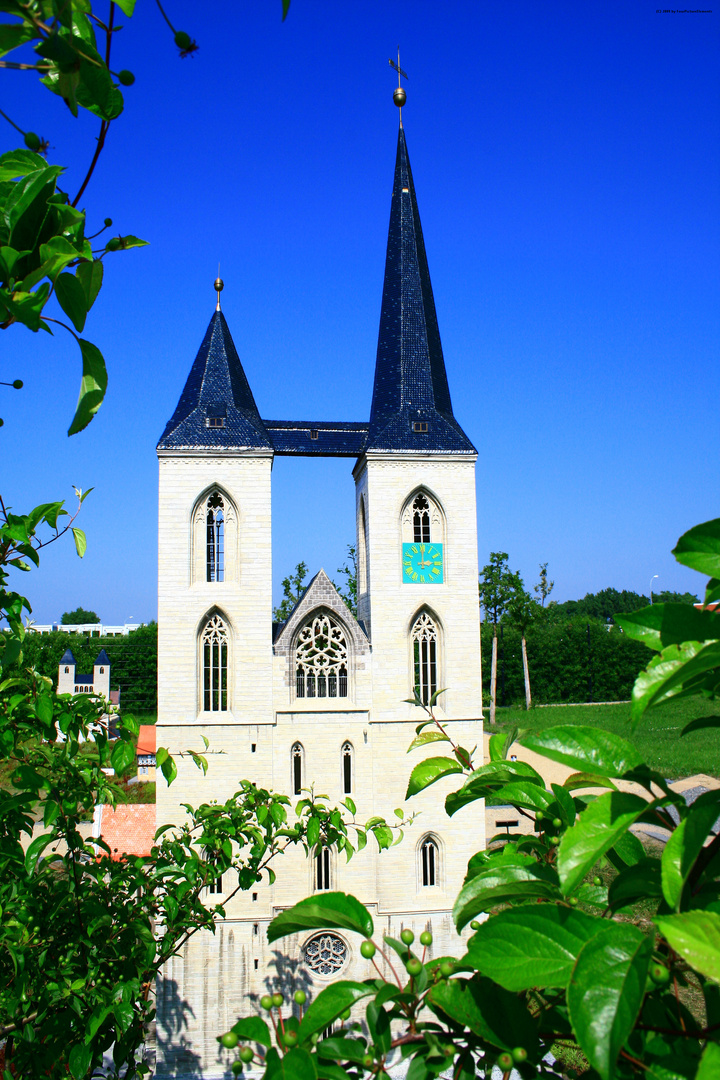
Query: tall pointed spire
[216, 409]
[411, 407]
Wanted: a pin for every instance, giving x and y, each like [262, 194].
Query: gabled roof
[320, 593]
[410, 379]
[67, 657]
[146, 739]
[317, 438]
[216, 389]
[102, 658]
[128, 829]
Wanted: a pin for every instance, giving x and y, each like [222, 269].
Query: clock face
[423, 564]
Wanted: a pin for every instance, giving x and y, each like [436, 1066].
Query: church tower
[415, 492]
[318, 700]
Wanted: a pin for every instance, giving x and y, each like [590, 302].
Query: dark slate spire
[411, 385]
[217, 391]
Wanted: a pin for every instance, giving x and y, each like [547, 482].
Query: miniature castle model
[96, 683]
[319, 699]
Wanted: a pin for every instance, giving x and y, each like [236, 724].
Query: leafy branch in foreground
[583, 941]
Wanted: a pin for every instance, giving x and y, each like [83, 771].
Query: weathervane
[218, 286]
[399, 95]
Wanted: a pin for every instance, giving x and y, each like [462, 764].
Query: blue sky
[565, 158]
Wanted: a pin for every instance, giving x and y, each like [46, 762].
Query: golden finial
[399, 95]
[218, 287]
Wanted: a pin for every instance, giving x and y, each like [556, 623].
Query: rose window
[325, 954]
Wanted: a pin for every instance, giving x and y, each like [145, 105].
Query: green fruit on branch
[446, 968]
[426, 938]
[367, 949]
[32, 141]
[266, 1002]
[290, 1038]
[126, 78]
[659, 974]
[299, 997]
[277, 999]
[407, 937]
[413, 966]
[183, 40]
[474, 925]
[505, 1061]
[246, 1054]
[519, 1055]
[229, 1040]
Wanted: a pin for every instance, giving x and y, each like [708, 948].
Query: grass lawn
[657, 736]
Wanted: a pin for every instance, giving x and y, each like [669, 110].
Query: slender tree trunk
[493, 677]
[526, 673]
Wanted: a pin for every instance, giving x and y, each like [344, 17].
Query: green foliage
[496, 587]
[543, 587]
[78, 616]
[562, 963]
[348, 590]
[293, 587]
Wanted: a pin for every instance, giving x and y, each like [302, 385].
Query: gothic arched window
[321, 658]
[214, 642]
[215, 538]
[421, 519]
[428, 862]
[296, 761]
[425, 649]
[347, 768]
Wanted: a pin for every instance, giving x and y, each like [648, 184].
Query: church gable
[320, 593]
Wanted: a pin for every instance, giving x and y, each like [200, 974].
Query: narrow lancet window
[322, 869]
[321, 659]
[347, 767]
[215, 664]
[215, 523]
[424, 639]
[297, 768]
[421, 520]
[428, 862]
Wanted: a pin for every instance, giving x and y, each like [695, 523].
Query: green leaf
[338, 1049]
[35, 850]
[709, 1063]
[55, 254]
[295, 1065]
[430, 770]
[699, 548]
[14, 34]
[126, 6]
[127, 242]
[161, 756]
[685, 844]
[669, 673]
[169, 769]
[626, 851]
[634, 883]
[253, 1029]
[502, 883]
[92, 386]
[606, 991]
[597, 829]
[19, 163]
[79, 1060]
[670, 624]
[427, 737]
[333, 910]
[80, 541]
[71, 297]
[695, 935]
[532, 945]
[587, 748]
[90, 276]
[44, 708]
[122, 757]
[491, 778]
[329, 1003]
[489, 1011]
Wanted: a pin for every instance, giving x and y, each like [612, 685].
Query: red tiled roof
[146, 739]
[128, 829]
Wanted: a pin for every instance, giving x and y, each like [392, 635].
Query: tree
[348, 591]
[496, 587]
[543, 587]
[79, 615]
[522, 609]
[293, 589]
[593, 941]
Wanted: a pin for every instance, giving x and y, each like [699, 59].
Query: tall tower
[415, 489]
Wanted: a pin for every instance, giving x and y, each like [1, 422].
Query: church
[320, 699]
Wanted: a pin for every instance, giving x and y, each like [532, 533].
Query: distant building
[84, 629]
[145, 752]
[96, 683]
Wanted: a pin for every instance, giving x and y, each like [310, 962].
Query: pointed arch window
[321, 659]
[297, 756]
[347, 768]
[428, 862]
[425, 650]
[214, 641]
[421, 519]
[215, 538]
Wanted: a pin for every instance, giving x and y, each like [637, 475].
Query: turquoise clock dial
[423, 564]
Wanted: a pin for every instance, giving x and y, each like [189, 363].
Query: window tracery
[214, 642]
[425, 648]
[422, 520]
[321, 659]
[325, 954]
[322, 870]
